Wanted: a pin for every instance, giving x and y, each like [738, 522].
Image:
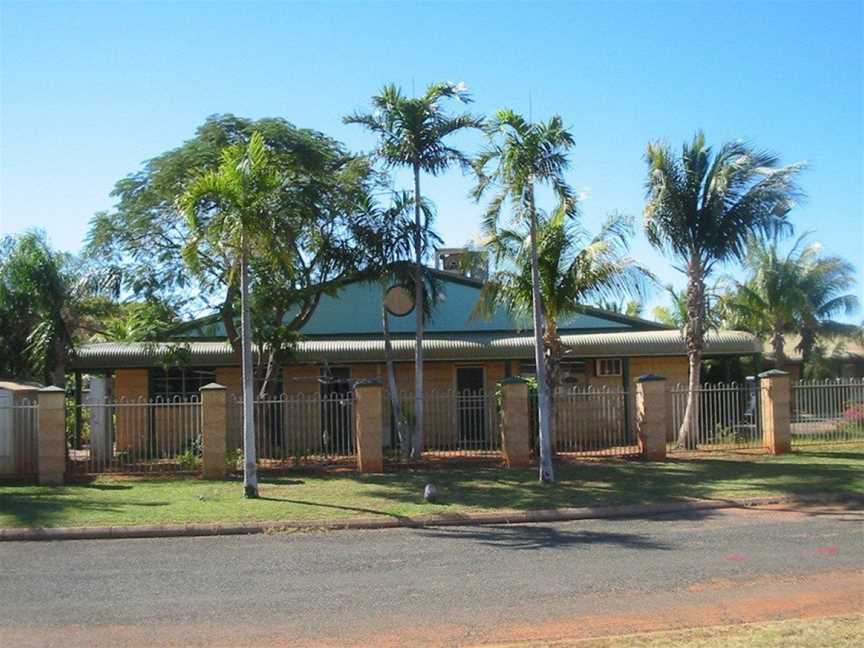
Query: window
[572, 372]
[179, 383]
[609, 367]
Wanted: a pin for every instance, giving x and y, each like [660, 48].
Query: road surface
[445, 586]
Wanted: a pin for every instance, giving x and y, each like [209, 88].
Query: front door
[337, 429]
[470, 407]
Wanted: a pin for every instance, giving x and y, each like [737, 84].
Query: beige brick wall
[676, 371]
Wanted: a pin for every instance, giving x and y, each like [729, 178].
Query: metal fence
[728, 415]
[292, 429]
[19, 421]
[455, 423]
[136, 436]
[589, 420]
[593, 420]
[829, 411]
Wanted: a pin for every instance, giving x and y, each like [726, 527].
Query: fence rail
[590, 420]
[291, 429]
[19, 423]
[455, 423]
[136, 436]
[728, 416]
[828, 411]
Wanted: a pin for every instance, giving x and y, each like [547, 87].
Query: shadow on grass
[352, 509]
[623, 482]
[44, 509]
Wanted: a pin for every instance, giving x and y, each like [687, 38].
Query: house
[843, 355]
[342, 343]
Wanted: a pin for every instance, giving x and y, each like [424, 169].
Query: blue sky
[90, 90]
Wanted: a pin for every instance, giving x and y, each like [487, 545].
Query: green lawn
[315, 495]
[836, 632]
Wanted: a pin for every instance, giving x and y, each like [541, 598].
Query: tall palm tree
[575, 268]
[701, 209]
[412, 133]
[231, 210]
[391, 245]
[521, 155]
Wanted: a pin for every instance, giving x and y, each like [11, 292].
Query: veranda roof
[463, 346]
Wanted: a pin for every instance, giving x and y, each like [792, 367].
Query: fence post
[214, 430]
[775, 399]
[369, 425]
[51, 441]
[651, 416]
[515, 423]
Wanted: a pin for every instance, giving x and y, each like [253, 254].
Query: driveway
[445, 586]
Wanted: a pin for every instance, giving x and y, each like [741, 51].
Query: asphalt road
[446, 586]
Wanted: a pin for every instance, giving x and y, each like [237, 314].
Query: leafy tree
[575, 268]
[231, 211]
[48, 301]
[701, 209]
[412, 132]
[521, 155]
[317, 214]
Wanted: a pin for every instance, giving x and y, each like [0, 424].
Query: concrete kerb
[434, 520]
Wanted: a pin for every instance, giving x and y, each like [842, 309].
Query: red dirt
[708, 603]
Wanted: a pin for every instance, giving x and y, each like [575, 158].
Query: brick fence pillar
[214, 430]
[775, 395]
[369, 424]
[515, 423]
[651, 416]
[51, 440]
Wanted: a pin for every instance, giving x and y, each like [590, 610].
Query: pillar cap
[514, 380]
[369, 382]
[51, 389]
[773, 373]
[212, 387]
[650, 378]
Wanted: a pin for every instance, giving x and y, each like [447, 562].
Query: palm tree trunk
[694, 333]
[250, 472]
[777, 345]
[417, 445]
[543, 396]
[395, 409]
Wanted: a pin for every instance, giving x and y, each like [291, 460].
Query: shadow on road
[531, 537]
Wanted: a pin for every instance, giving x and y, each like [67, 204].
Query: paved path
[453, 586]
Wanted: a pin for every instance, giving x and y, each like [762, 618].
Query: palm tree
[675, 314]
[824, 282]
[701, 209]
[797, 292]
[390, 245]
[574, 267]
[412, 133]
[54, 298]
[521, 155]
[231, 209]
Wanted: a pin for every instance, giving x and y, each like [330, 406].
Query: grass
[323, 495]
[835, 632]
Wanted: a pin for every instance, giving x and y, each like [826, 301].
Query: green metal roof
[465, 346]
[356, 310]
